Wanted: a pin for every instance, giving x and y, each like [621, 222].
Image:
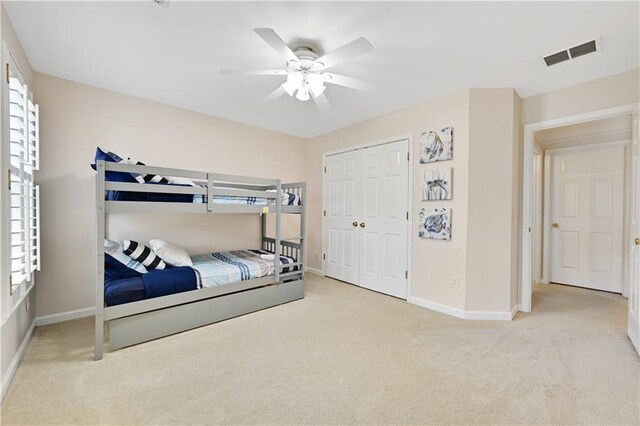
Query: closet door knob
[362, 225]
[355, 223]
[555, 225]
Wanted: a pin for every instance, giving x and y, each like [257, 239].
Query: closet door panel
[342, 257]
[383, 251]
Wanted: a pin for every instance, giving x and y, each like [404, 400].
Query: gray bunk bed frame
[141, 321]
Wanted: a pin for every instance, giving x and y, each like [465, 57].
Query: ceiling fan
[306, 70]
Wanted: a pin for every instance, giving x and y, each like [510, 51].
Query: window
[20, 153]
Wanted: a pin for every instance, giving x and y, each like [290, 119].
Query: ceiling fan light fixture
[303, 94]
[294, 80]
[290, 87]
[316, 84]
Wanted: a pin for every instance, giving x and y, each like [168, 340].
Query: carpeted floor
[346, 355]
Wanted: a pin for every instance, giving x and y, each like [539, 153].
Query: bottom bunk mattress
[209, 270]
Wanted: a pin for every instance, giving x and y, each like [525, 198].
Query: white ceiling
[421, 51]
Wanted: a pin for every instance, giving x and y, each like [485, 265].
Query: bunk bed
[144, 319]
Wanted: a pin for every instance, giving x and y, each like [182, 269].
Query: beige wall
[492, 200]
[14, 330]
[608, 92]
[429, 282]
[75, 118]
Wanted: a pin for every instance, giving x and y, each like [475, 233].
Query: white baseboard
[11, 371]
[461, 313]
[438, 307]
[515, 310]
[64, 316]
[313, 270]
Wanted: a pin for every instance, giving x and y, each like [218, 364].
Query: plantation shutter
[24, 193]
[33, 192]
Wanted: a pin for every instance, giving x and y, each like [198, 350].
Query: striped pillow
[112, 248]
[143, 254]
[148, 178]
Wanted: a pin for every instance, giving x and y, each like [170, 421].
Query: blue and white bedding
[288, 199]
[209, 270]
[222, 268]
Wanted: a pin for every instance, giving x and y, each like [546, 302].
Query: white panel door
[586, 216]
[634, 250]
[366, 202]
[383, 223]
[342, 177]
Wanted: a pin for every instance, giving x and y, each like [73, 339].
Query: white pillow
[170, 253]
[181, 181]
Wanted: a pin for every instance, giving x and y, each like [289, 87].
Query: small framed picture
[436, 145]
[435, 224]
[437, 184]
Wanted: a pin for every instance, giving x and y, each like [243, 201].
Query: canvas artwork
[435, 224]
[437, 184]
[436, 145]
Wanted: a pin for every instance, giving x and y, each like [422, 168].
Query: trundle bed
[219, 285]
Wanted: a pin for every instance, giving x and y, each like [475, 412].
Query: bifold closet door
[343, 173]
[367, 202]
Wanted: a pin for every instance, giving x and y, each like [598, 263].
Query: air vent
[583, 49]
[556, 58]
[573, 52]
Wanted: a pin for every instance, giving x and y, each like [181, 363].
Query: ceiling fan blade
[350, 50]
[321, 102]
[253, 72]
[279, 91]
[350, 82]
[276, 42]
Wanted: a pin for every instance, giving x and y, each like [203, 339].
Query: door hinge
[7, 72]
[323, 256]
[9, 180]
[324, 213]
[406, 275]
[407, 215]
[407, 156]
[325, 169]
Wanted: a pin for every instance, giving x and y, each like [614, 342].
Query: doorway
[590, 208]
[366, 216]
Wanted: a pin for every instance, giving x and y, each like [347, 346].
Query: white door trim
[409, 138]
[527, 186]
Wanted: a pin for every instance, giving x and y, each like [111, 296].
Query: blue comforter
[155, 283]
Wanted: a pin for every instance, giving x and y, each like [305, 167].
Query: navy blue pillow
[115, 270]
[113, 176]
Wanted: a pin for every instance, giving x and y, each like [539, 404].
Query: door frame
[546, 221]
[526, 242]
[409, 138]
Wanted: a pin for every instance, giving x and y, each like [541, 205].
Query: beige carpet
[346, 355]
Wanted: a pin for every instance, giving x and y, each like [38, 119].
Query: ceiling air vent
[573, 52]
[556, 58]
[583, 49]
